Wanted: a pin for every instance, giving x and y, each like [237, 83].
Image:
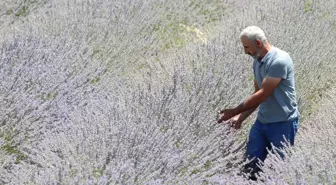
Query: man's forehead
[247, 45]
[245, 41]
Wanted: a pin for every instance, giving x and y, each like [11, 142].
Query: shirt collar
[268, 54]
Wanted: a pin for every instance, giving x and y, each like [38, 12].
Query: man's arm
[242, 116]
[267, 87]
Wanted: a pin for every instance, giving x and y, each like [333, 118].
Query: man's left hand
[227, 114]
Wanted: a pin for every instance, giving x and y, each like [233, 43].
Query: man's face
[252, 49]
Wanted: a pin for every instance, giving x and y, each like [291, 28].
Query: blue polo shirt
[281, 105]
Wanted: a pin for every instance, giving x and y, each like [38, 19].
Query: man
[274, 94]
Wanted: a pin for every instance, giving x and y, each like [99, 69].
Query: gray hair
[253, 33]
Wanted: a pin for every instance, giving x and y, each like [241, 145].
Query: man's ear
[259, 43]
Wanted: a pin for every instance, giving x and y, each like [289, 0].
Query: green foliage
[164, 129]
[26, 7]
[95, 80]
[23, 11]
[308, 6]
[178, 144]
[208, 165]
[136, 179]
[9, 12]
[99, 171]
[12, 149]
[49, 96]
[176, 30]
[194, 171]
[184, 170]
[95, 52]
[73, 172]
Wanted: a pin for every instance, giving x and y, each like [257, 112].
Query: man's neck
[265, 50]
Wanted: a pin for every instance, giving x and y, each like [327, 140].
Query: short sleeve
[278, 69]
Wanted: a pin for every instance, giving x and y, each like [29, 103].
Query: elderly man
[277, 119]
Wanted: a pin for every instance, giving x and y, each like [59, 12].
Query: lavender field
[127, 91]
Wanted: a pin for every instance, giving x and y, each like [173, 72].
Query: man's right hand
[235, 122]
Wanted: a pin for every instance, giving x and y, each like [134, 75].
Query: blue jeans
[263, 135]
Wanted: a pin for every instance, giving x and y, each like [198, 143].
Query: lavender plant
[312, 161]
[126, 92]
